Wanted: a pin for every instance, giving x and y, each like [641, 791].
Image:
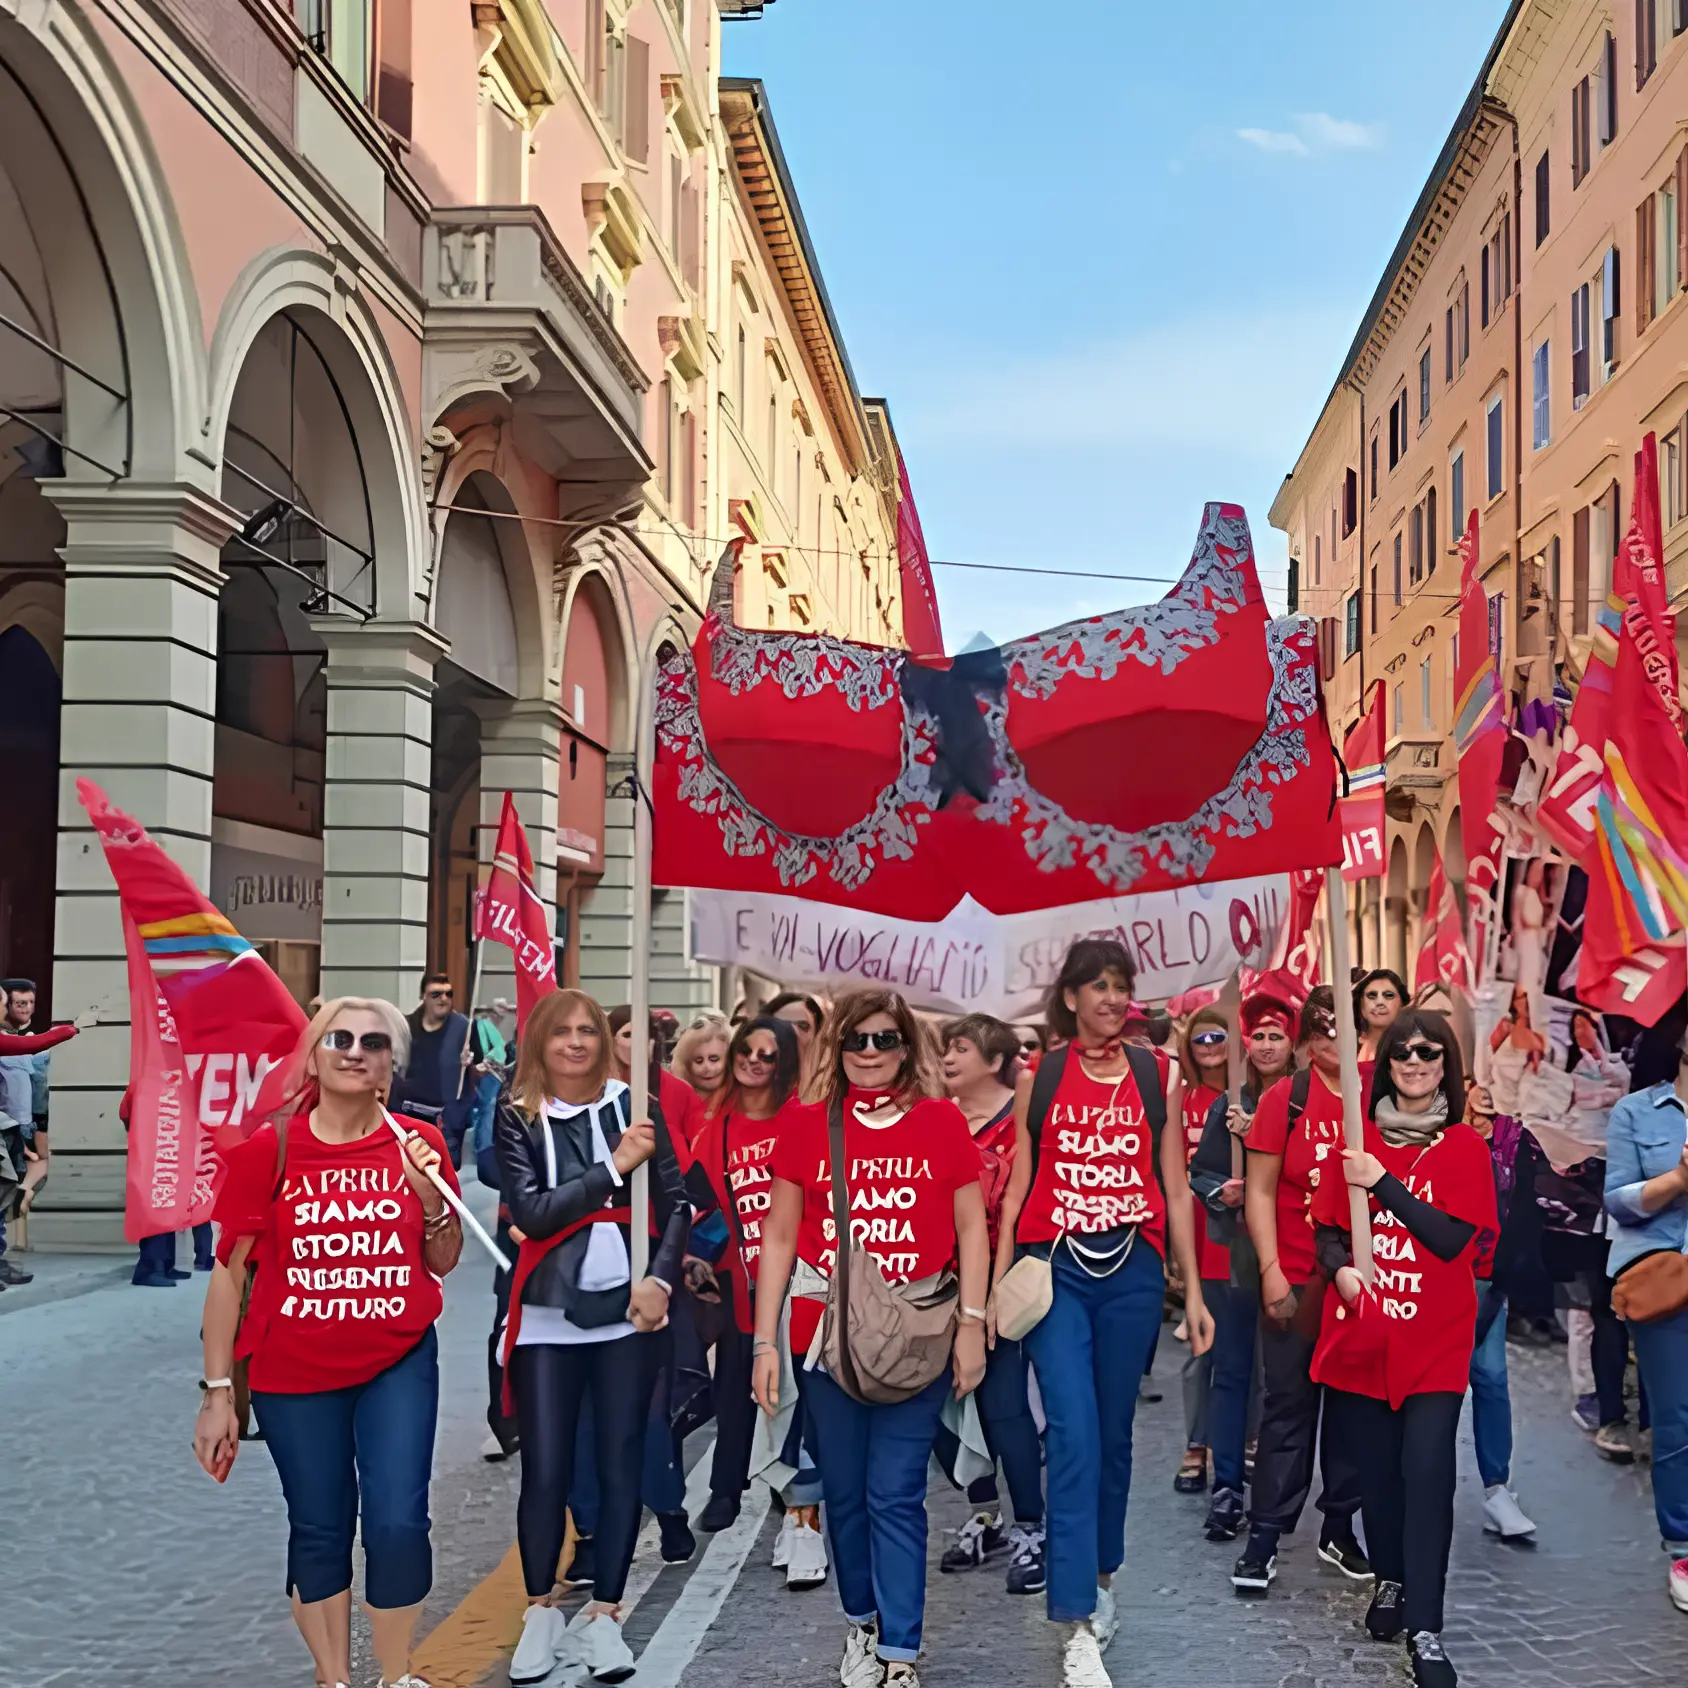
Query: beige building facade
[368, 427]
[1526, 334]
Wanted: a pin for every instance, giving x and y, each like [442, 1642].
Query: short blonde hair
[708, 1027]
[301, 1082]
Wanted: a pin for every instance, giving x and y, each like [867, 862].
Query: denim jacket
[1644, 1139]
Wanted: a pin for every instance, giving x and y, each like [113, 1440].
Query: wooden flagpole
[639, 995]
[1348, 1048]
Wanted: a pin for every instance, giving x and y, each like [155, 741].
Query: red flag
[1633, 961]
[1293, 969]
[1480, 740]
[1362, 808]
[1443, 957]
[922, 631]
[511, 913]
[210, 1029]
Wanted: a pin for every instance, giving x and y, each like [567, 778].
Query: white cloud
[1315, 132]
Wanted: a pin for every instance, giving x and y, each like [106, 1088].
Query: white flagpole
[453, 1200]
[1348, 1048]
[639, 995]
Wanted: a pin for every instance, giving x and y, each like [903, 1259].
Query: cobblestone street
[127, 1567]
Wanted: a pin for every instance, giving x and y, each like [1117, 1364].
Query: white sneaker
[545, 1640]
[1502, 1515]
[1105, 1620]
[1679, 1584]
[600, 1647]
[861, 1667]
[1081, 1660]
[408, 1680]
[782, 1542]
[806, 1558]
[901, 1675]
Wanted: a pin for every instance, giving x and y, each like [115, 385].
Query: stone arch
[474, 476]
[125, 306]
[605, 595]
[1423, 867]
[1395, 909]
[307, 286]
[37, 606]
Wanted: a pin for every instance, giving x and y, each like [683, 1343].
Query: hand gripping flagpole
[453, 1200]
[1348, 1050]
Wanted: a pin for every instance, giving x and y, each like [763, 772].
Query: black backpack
[1145, 1070]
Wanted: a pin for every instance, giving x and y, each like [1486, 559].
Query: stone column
[140, 690]
[375, 806]
[519, 754]
[606, 913]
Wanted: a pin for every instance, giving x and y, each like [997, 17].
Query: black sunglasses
[856, 1043]
[759, 1057]
[1428, 1053]
[371, 1043]
[1203, 1039]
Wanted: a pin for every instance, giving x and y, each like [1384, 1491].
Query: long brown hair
[531, 1087]
[918, 1077]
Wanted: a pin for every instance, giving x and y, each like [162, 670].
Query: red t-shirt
[1422, 1342]
[1095, 1163]
[1212, 1260]
[341, 1292]
[682, 1113]
[1315, 1142]
[748, 1165]
[995, 1142]
[901, 1180]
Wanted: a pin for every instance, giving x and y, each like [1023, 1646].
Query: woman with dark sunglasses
[1399, 1349]
[1293, 1144]
[1097, 1189]
[911, 1173]
[1203, 1061]
[350, 1240]
[735, 1151]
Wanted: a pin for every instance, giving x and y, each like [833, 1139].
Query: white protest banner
[978, 962]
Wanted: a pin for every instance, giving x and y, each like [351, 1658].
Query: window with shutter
[1483, 294]
[1351, 627]
[1579, 571]
[1464, 323]
[1646, 43]
[1374, 600]
[1496, 446]
[1664, 248]
[1610, 305]
[393, 87]
[1581, 151]
[1430, 533]
[1543, 178]
[597, 35]
[1449, 352]
[688, 232]
[1424, 692]
[1609, 90]
[1318, 549]
[1395, 559]
[1415, 545]
[1456, 492]
[1681, 176]
[1424, 388]
[1579, 347]
[1643, 264]
[638, 97]
[1541, 415]
[1350, 501]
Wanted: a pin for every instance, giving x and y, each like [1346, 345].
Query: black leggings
[1407, 1473]
[1290, 1411]
[548, 1382]
[735, 1414]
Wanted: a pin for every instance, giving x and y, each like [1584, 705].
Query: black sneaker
[1344, 1552]
[1254, 1571]
[10, 1274]
[980, 1537]
[1386, 1616]
[1432, 1668]
[678, 1543]
[1226, 1516]
[1025, 1560]
[721, 1512]
[583, 1567]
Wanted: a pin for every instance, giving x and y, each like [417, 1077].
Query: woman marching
[1096, 1186]
[578, 1323]
[1399, 1352]
[886, 1146]
[1203, 1064]
[700, 1055]
[344, 1360]
[1268, 1028]
[735, 1151]
[1293, 1144]
[981, 1057]
[1378, 997]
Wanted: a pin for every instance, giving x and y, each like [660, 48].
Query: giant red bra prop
[1126, 753]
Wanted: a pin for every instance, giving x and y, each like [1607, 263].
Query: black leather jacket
[541, 1207]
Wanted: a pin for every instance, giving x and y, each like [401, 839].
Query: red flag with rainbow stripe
[210, 1028]
[1480, 740]
[1443, 958]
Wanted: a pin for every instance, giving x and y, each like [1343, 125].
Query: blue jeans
[369, 1448]
[1661, 1353]
[1491, 1401]
[1235, 1312]
[873, 1475]
[1005, 1415]
[1089, 1350]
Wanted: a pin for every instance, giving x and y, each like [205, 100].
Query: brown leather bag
[878, 1344]
[1653, 1287]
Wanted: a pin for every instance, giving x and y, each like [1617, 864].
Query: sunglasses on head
[1428, 1053]
[856, 1043]
[1203, 1040]
[371, 1043]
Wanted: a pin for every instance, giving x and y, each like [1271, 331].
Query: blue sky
[1103, 265]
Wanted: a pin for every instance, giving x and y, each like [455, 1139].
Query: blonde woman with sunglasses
[350, 1240]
